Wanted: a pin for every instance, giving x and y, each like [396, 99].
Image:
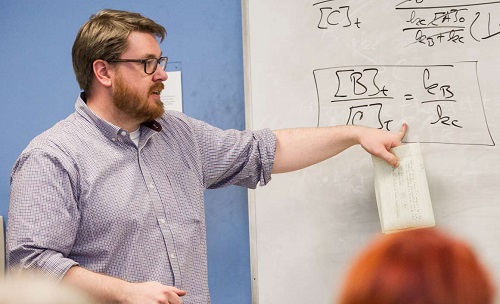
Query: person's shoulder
[174, 116]
[172, 120]
[63, 133]
[58, 144]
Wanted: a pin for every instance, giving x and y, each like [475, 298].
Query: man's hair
[104, 37]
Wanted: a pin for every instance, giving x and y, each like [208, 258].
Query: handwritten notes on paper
[402, 193]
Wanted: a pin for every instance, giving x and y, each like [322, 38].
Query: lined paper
[402, 193]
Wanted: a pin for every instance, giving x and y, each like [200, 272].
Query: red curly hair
[422, 266]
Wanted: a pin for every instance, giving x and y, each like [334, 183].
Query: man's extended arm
[302, 147]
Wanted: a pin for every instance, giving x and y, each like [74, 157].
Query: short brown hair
[104, 37]
[417, 266]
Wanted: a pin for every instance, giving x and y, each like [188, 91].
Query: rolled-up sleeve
[266, 147]
[43, 214]
[233, 157]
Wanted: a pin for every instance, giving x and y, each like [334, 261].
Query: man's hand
[153, 293]
[113, 290]
[378, 143]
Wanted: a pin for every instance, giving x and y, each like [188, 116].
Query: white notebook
[402, 193]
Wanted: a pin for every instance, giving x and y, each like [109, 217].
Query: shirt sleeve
[233, 157]
[43, 215]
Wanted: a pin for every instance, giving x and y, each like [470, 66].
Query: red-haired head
[421, 266]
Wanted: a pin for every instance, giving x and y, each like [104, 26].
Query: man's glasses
[150, 64]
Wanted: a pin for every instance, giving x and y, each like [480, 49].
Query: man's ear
[102, 72]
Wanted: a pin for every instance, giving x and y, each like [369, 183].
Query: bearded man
[110, 199]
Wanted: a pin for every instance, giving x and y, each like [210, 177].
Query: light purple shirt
[82, 193]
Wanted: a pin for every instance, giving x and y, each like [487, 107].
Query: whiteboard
[433, 64]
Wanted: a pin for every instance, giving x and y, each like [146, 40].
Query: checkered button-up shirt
[82, 193]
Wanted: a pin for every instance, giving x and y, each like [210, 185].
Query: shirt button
[172, 255]
[151, 186]
[162, 221]
[113, 139]
[124, 133]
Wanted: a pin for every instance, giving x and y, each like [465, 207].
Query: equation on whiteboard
[424, 22]
[442, 103]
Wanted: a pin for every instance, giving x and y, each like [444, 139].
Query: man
[111, 198]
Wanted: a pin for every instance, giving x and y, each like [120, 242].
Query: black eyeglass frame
[145, 63]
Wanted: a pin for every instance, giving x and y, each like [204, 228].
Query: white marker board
[433, 64]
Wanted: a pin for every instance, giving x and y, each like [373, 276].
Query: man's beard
[135, 106]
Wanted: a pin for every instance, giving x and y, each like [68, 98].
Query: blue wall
[38, 88]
